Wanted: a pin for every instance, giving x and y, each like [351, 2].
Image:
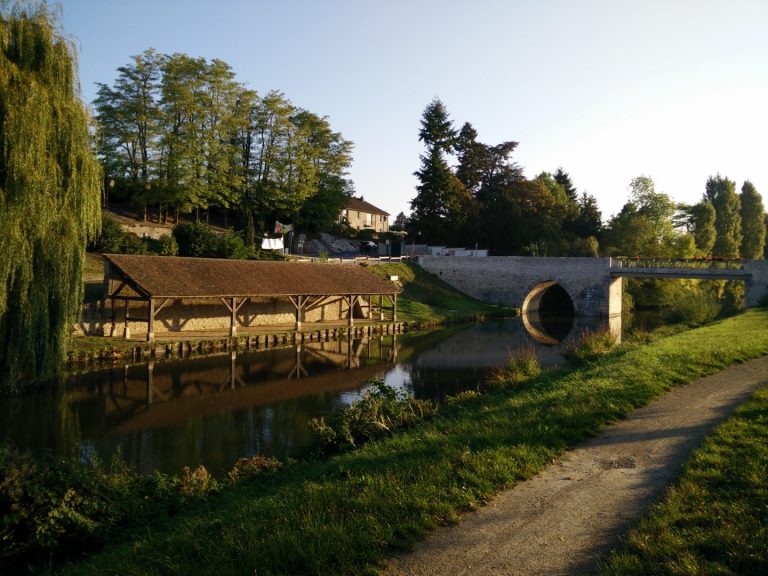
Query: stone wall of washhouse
[509, 280]
[204, 315]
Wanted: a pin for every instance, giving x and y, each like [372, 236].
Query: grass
[93, 276]
[427, 299]
[714, 520]
[346, 514]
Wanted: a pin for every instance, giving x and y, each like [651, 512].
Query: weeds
[380, 411]
[522, 365]
[591, 346]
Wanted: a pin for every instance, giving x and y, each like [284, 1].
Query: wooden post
[381, 307]
[151, 321]
[394, 308]
[233, 318]
[127, 331]
[351, 319]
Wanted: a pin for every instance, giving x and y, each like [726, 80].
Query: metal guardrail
[680, 263]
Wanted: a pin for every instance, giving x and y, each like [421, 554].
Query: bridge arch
[548, 312]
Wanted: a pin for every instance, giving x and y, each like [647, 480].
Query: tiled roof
[176, 277]
[362, 206]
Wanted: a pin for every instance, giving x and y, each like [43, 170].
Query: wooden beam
[151, 321]
[394, 308]
[299, 305]
[233, 318]
[127, 331]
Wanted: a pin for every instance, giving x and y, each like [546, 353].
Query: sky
[606, 89]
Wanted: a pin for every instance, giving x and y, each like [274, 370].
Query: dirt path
[562, 520]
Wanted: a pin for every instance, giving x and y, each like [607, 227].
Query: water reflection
[213, 410]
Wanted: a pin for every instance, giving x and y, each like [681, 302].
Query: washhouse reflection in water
[213, 410]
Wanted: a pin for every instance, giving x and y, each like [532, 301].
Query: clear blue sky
[607, 89]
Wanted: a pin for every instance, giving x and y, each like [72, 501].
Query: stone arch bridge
[593, 286]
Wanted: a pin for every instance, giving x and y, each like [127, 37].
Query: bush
[590, 346]
[167, 245]
[380, 411]
[522, 364]
[114, 240]
[249, 468]
[696, 308]
[194, 239]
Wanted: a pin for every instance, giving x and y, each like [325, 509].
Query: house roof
[362, 206]
[177, 277]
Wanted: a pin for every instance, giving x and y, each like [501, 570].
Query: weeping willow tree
[49, 193]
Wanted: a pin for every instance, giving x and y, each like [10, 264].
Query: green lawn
[427, 299]
[715, 519]
[345, 515]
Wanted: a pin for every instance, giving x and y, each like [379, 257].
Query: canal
[213, 410]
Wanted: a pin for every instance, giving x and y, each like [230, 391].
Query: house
[362, 215]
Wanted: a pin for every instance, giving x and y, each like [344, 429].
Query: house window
[368, 219]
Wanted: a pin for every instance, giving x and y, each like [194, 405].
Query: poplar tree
[722, 193]
[49, 194]
[752, 222]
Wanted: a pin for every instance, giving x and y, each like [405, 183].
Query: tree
[722, 193]
[50, 184]
[752, 222]
[645, 227]
[589, 220]
[437, 130]
[699, 220]
[563, 178]
[400, 223]
[128, 116]
[441, 205]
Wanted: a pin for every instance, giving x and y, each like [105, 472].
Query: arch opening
[548, 313]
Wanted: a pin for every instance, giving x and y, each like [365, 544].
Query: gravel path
[563, 519]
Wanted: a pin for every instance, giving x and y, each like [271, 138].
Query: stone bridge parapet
[516, 280]
[594, 285]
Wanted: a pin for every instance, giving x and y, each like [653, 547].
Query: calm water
[215, 409]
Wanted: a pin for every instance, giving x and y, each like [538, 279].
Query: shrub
[696, 308]
[522, 364]
[230, 244]
[590, 346]
[114, 240]
[56, 509]
[167, 245]
[194, 239]
[249, 468]
[380, 411]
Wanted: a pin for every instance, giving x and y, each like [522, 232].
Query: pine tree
[50, 184]
[752, 222]
[563, 178]
[442, 202]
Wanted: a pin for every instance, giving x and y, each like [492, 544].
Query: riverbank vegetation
[50, 185]
[345, 514]
[713, 520]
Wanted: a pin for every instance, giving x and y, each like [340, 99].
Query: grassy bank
[427, 299]
[344, 515]
[715, 519]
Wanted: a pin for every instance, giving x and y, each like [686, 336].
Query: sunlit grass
[426, 298]
[715, 519]
[345, 515]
